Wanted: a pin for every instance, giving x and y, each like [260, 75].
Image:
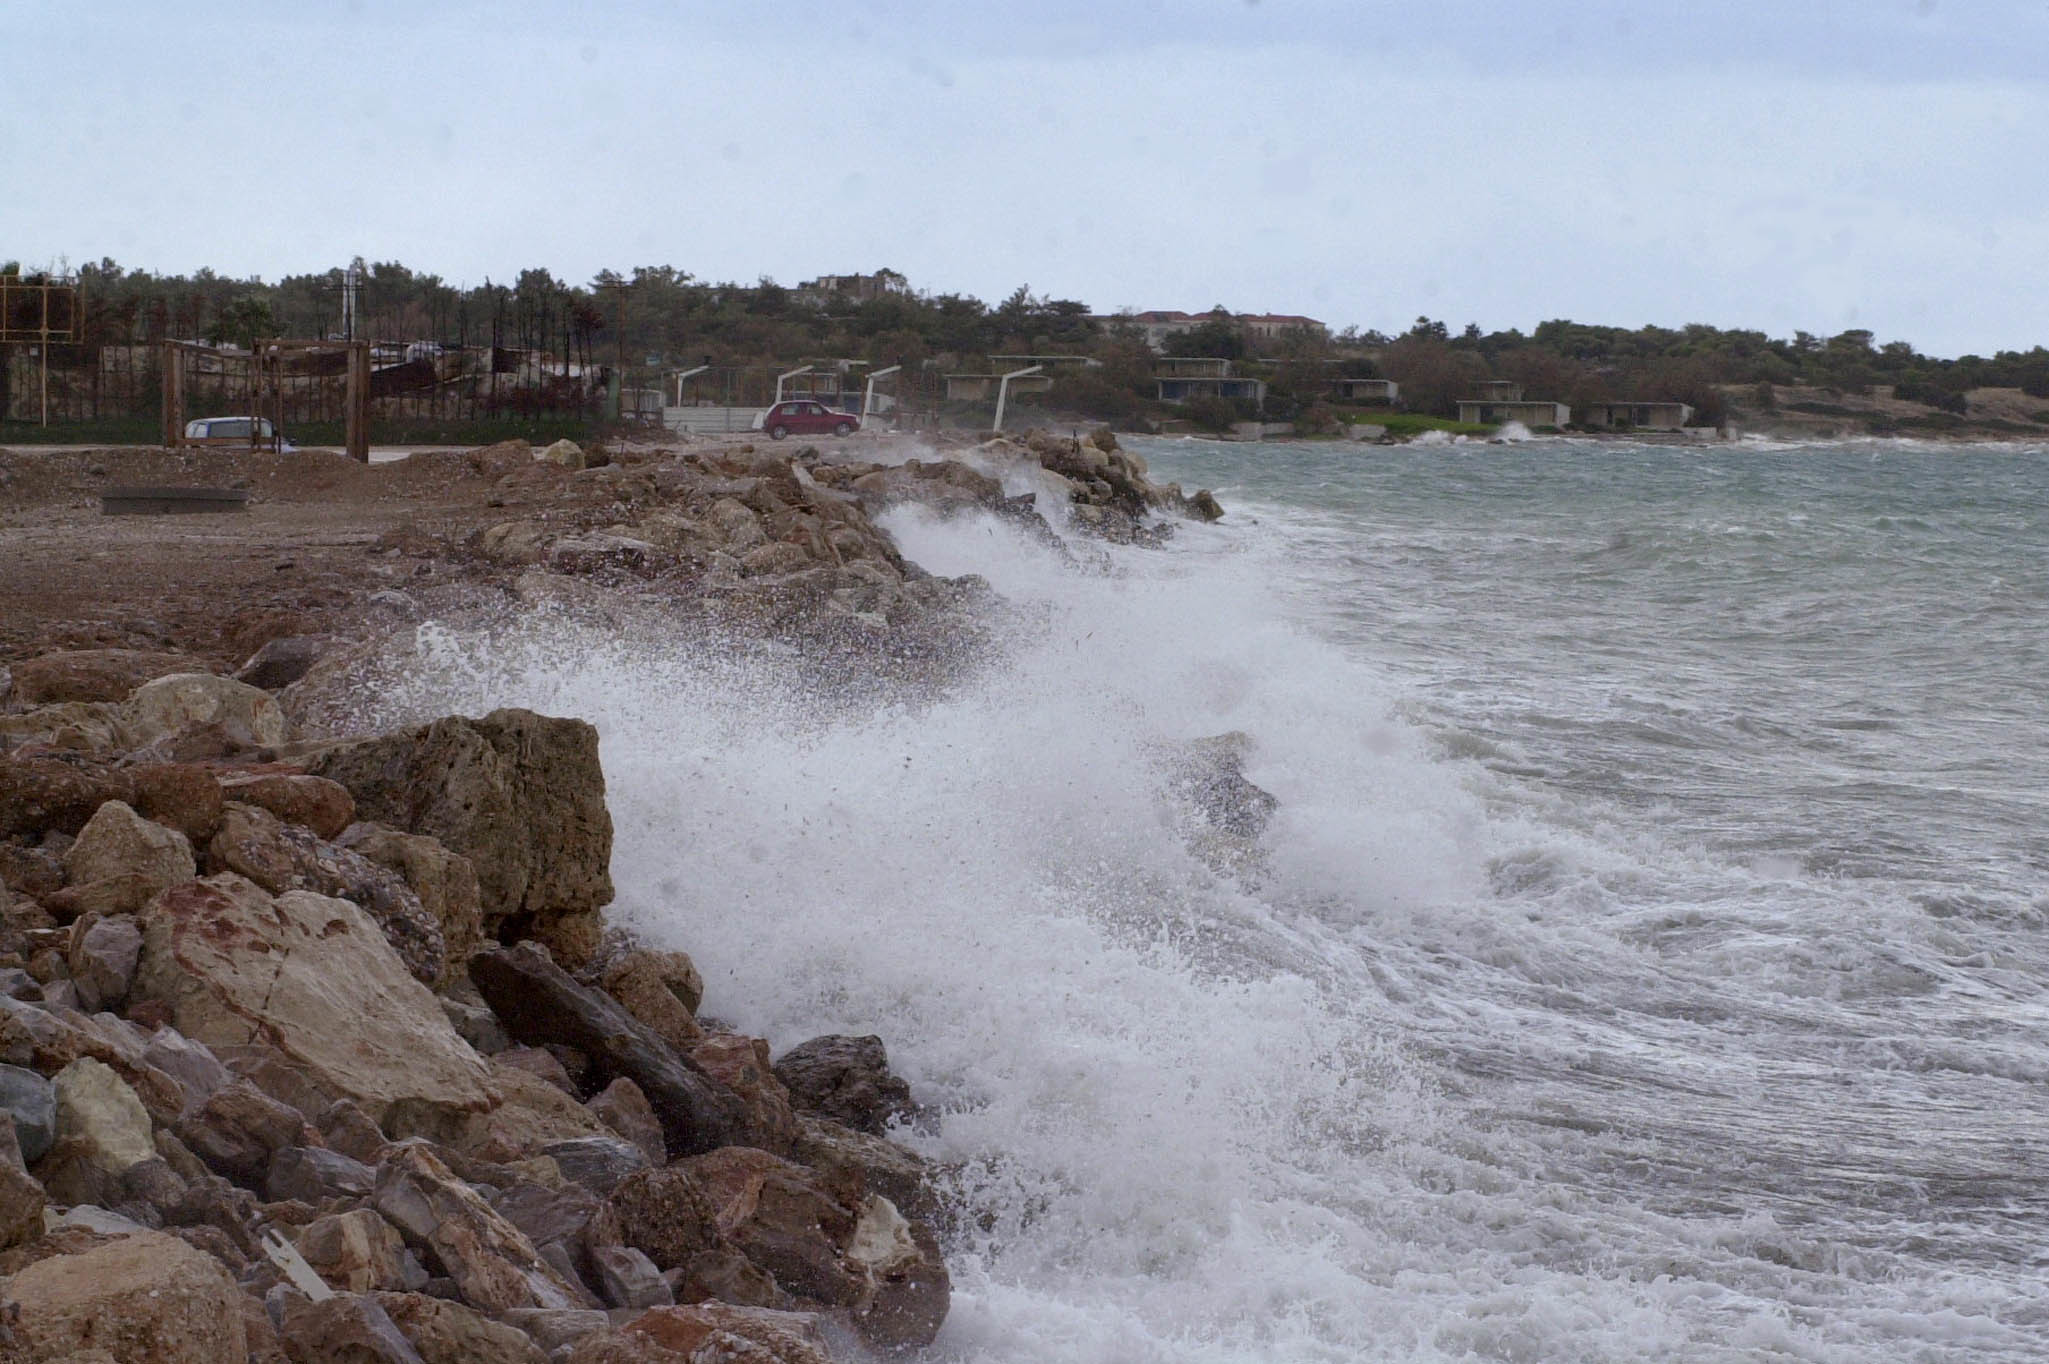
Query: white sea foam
[1467, 1068]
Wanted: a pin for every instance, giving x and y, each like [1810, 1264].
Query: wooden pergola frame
[266, 382]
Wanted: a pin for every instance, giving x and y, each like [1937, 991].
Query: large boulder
[494, 1265]
[661, 989]
[22, 1197]
[116, 841]
[56, 793]
[102, 1132]
[316, 803]
[666, 1214]
[740, 1063]
[314, 980]
[92, 674]
[355, 1252]
[349, 1328]
[709, 1333]
[521, 795]
[279, 856]
[540, 1003]
[446, 1332]
[169, 706]
[444, 881]
[29, 1104]
[846, 1080]
[146, 1298]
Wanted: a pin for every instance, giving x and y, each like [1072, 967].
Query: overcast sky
[1781, 164]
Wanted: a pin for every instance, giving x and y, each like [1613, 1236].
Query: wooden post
[174, 394]
[359, 402]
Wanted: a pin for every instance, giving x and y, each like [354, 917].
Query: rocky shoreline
[315, 1044]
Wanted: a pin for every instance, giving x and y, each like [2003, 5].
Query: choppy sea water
[1647, 960]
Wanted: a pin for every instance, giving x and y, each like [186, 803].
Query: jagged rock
[565, 453]
[151, 1186]
[474, 1022]
[846, 1079]
[529, 1116]
[575, 1219]
[355, 1252]
[213, 1202]
[661, 989]
[598, 551]
[741, 1065]
[102, 1129]
[539, 1003]
[285, 660]
[444, 881]
[103, 961]
[50, 1037]
[92, 674]
[279, 857]
[182, 796]
[237, 1129]
[667, 1214]
[30, 1103]
[316, 803]
[313, 1174]
[194, 1066]
[624, 1109]
[1204, 504]
[829, 1244]
[596, 1163]
[627, 1278]
[725, 1274]
[493, 1264]
[56, 793]
[116, 841]
[170, 706]
[554, 1329]
[1209, 774]
[348, 1129]
[513, 543]
[503, 458]
[709, 1333]
[349, 1328]
[145, 1298]
[449, 1333]
[315, 981]
[22, 1199]
[537, 1062]
[521, 795]
[871, 1163]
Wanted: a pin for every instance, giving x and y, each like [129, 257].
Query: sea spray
[1416, 1085]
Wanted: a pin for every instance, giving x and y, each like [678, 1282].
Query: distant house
[1159, 326]
[1530, 413]
[854, 288]
[1004, 364]
[1635, 416]
[1190, 367]
[1273, 326]
[1384, 391]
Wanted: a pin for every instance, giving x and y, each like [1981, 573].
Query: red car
[806, 417]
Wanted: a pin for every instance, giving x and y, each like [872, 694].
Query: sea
[1646, 959]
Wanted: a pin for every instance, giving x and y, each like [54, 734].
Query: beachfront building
[1191, 367]
[1177, 378]
[1635, 416]
[1383, 392]
[1530, 413]
[1004, 364]
[979, 388]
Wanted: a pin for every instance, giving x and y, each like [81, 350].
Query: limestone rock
[493, 1264]
[667, 1214]
[553, 1330]
[539, 1003]
[355, 1252]
[596, 1163]
[92, 674]
[624, 1109]
[521, 795]
[446, 1332]
[574, 1218]
[103, 961]
[349, 1328]
[22, 1198]
[528, 1116]
[279, 857]
[313, 979]
[316, 803]
[444, 881]
[741, 1065]
[871, 1163]
[30, 1103]
[236, 1130]
[172, 705]
[709, 1333]
[348, 1129]
[661, 989]
[314, 1174]
[182, 796]
[145, 1298]
[117, 841]
[56, 792]
[847, 1080]
[565, 453]
[627, 1278]
[196, 1069]
[102, 1130]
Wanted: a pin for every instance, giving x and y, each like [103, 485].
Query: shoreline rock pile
[322, 1052]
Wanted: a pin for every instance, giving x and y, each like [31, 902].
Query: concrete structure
[1007, 363]
[1635, 416]
[1384, 391]
[1498, 391]
[977, 388]
[1190, 367]
[1159, 326]
[1274, 326]
[1181, 390]
[852, 288]
[1531, 413]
